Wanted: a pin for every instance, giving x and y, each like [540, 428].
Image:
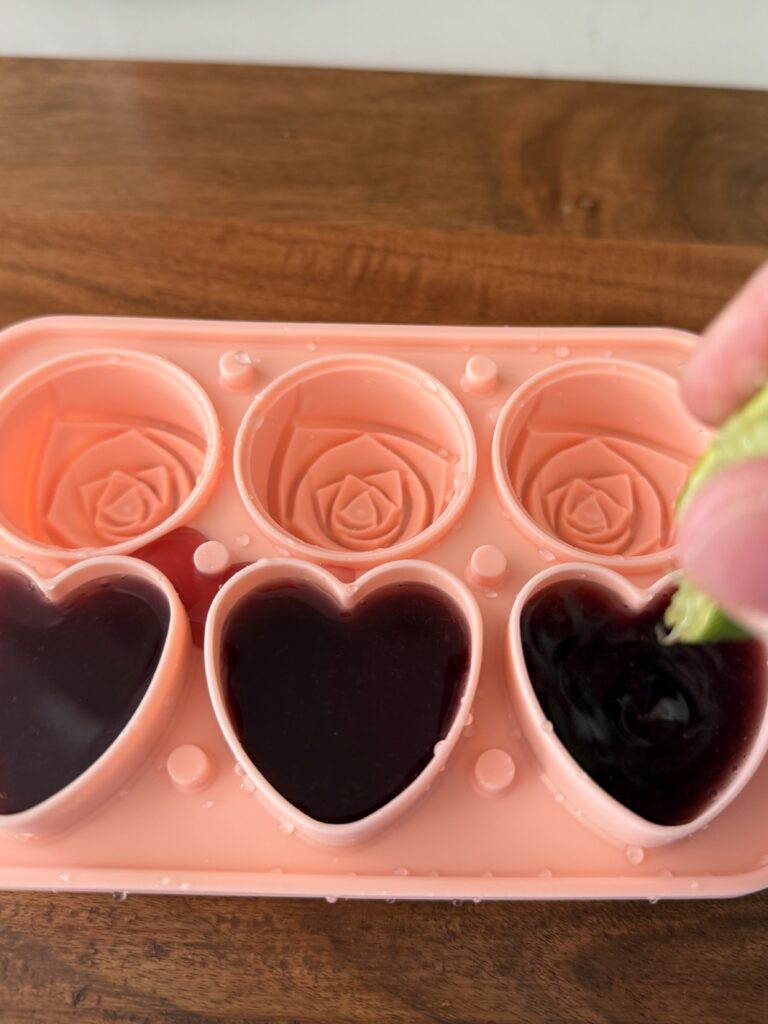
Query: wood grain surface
[252, 193]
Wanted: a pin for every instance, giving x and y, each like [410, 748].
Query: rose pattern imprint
[607, 495]
[104, 483]
[359, 491]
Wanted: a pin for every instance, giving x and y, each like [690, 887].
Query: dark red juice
[340, 710]
[660, 728]
[71, 677]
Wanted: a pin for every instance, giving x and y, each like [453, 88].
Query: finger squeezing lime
[691, 616]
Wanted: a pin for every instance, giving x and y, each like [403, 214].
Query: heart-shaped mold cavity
[589, 459]
[89, 664]
[649, 742]
[103, 452]
[342, 702]
[350, 459]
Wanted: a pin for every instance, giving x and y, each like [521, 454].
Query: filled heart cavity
[340, 709]
[662, 729]
[72, 674]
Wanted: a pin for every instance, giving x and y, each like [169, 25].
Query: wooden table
[177, 190]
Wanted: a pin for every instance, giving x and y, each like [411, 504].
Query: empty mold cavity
[589, 459]
[347, 459]
[103, 452]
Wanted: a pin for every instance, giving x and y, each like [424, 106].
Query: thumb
[723, 539]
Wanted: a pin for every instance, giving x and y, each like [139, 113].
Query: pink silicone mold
[590, 456]
[281, 570]
[355, 459]
[334, 455]
[103, 451]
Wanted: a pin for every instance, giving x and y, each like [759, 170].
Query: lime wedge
[691, 616]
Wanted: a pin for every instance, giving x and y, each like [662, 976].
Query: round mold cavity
[266, 574]
[103, 452]
[597, 808]
[589, 459]
[125, 755]
[350, 460]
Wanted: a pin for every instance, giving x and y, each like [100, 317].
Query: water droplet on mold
[120, 896]
[695, 885]
[562, 351]
[238, 769]
[310, 346]
[547, 727]
[287, 827]
[545, 873]
[165, 880]
[466, 348]
[546, 556]
[635, 854]
[207, 805]
[331, 899]
[559, 798]
[429, 385]
[64, 876]
[653, 900]
[400, 871]
[533, 348]
[243, 540]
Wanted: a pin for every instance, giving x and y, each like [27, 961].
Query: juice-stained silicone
[475, 459]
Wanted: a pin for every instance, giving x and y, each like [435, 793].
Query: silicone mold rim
[347, 596]
[23, 385]
[356, 560]
[128, 751]
[602, 812]
[527, 392]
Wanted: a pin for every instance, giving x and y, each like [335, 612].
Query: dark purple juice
[660, 728]
[340, 710]
[71, 677]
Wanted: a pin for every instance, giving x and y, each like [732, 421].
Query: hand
[723, 534]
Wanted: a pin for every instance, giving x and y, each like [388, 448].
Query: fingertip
[723, 539]
[731, 363]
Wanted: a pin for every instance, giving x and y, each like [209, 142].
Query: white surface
[718, 42]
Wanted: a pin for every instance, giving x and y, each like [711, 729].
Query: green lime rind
[743, 436]
[692, 617]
